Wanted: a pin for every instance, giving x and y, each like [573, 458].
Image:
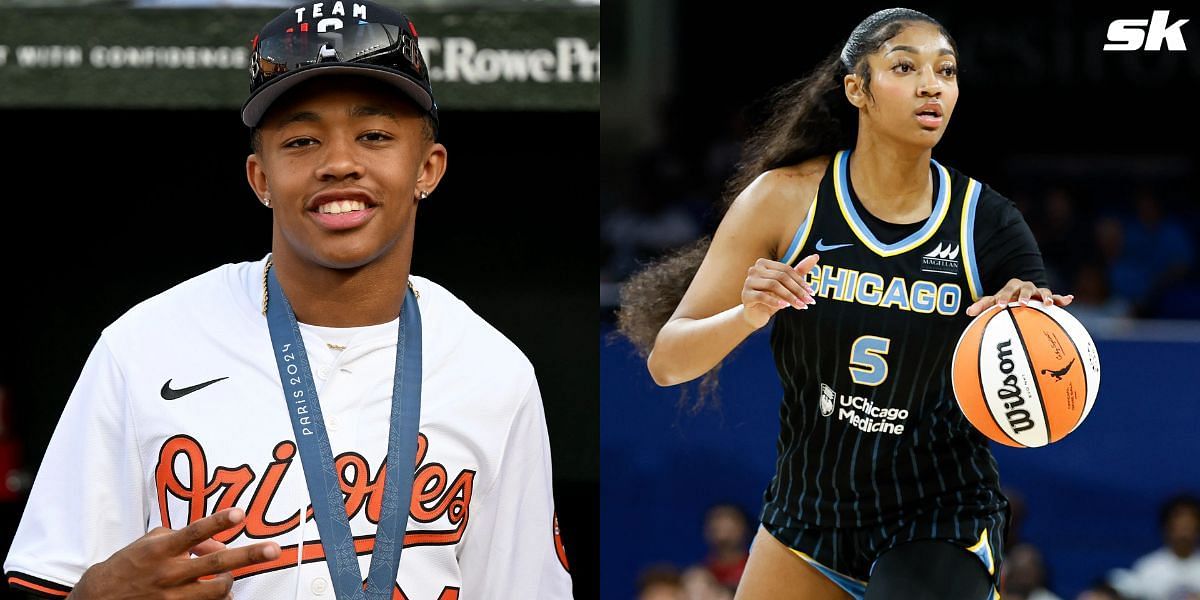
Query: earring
[424, 194]
[266, 201]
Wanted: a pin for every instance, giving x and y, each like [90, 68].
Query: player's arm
[1009, 259]
[512, 548]
[739, 286]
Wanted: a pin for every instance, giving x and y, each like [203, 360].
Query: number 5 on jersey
[867, 363]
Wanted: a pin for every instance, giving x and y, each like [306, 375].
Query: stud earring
[266, 201]
[424, 194]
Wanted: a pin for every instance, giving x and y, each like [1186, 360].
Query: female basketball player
[882, 488]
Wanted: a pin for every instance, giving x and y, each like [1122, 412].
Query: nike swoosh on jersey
[822, 247]
[172, 394]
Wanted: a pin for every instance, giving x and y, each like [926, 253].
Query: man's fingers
[227, 560]
[207, 547]
[183, 540]
[216, 588]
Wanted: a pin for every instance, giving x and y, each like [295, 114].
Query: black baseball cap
[326, 38]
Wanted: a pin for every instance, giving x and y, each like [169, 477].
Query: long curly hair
[807, 118]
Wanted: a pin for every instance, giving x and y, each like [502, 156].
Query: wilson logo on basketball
[1010, 390]
[1020, 376]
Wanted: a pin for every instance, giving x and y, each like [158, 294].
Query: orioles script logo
[433, 496]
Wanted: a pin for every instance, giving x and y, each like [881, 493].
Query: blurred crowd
[1124, 250]
[1135, 258]
[727, 538]
[1172, 572]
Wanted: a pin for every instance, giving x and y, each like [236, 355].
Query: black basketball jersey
[870, 431]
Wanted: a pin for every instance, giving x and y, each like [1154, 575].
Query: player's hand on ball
[1019, 291]
[772, 285]
[159, 565]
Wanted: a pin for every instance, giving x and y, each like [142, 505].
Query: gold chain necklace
[266, 267]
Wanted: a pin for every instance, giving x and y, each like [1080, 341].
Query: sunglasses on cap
[359, 38]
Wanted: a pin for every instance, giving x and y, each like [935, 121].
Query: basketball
[1026, 375]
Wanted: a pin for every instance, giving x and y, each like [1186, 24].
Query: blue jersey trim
[857, 589]
[968, 239]
[842, 191]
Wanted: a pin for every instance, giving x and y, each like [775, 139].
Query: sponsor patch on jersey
[860, 412]
[827, 398]
[942, 259]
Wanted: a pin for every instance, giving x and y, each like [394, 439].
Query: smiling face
[912, 88]
[344, 161]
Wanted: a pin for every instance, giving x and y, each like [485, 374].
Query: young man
[249, 416]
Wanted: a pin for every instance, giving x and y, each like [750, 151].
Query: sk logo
[1129, 34]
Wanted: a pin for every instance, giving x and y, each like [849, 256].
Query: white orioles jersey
[135, 449]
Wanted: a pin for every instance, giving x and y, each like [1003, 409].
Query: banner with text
[97, 57]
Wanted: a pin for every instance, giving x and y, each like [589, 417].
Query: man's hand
[159, 565]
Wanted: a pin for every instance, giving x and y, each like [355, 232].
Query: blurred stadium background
[1097, 149]
[125, 161]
